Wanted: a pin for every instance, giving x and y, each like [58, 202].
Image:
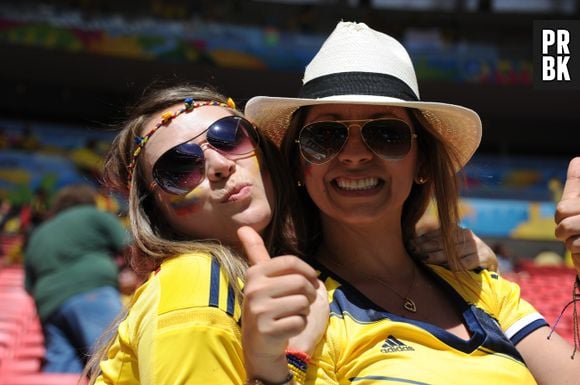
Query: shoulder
[192, 281]
[478, 278]
[474, 286]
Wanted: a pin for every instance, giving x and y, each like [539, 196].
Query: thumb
[572, 186]
[253, 245]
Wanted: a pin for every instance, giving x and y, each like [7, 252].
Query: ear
[421, 169]
[299, 173]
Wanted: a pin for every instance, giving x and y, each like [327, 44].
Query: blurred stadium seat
[21, 340]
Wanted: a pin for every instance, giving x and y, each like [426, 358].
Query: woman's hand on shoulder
[473, 252]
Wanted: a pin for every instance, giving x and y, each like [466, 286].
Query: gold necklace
[408, 303]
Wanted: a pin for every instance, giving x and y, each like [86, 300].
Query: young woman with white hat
[368, 155]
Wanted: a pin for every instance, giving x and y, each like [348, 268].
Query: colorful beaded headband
[166, 118]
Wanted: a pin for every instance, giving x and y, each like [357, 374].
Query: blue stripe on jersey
[214, 285]
[390, 379]
[495, 340]
[527, 330]
[231, 301]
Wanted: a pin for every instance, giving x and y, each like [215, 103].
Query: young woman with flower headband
[367, 156]
[194, 171]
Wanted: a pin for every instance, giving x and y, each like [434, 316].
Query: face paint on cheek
[187, 205]
[257, 169]
[257, 166]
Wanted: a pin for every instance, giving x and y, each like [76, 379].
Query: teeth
[357, 184]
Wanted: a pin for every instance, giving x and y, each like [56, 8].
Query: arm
[568, 213]
[549, 360]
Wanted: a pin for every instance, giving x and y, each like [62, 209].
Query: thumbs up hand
[283, 301]
[568, 213]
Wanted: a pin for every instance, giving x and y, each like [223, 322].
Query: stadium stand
[21, 340]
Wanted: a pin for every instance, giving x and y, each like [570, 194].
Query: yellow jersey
[365, 344]
[182, 328]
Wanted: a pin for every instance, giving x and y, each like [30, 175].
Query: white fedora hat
[358, 65]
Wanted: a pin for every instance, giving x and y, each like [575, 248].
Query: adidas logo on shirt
[394, 345]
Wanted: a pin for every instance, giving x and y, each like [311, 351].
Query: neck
[377, 249]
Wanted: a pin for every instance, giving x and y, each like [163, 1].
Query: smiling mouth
[357, 184]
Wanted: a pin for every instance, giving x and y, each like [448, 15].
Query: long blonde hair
[439, 162]
[154, 239]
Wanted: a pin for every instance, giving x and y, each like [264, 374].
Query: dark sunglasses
[182, 168]
[388, 138]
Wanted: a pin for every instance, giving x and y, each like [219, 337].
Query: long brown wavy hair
[154, 239]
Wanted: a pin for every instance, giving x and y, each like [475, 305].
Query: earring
[299, 183]
[420, 180]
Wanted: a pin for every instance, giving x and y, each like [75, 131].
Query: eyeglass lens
[182, 168]
[389, 139]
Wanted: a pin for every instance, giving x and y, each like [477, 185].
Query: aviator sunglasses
[388, 138]
[182, 168]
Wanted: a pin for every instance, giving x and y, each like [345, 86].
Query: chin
[257, 218]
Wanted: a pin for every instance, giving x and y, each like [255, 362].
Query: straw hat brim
[459, 126]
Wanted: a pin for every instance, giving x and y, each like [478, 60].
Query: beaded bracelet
[298, 364]
[576, 325]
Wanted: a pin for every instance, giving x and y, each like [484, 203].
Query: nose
[355, 150]
[218, 167]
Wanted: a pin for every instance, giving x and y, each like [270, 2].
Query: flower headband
[166, 118]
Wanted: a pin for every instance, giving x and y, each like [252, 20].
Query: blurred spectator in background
[34, 212]
[5, 210]
[39, 205]
[504, 260]
[88, 159]
[548, 258]
[27, 141]
[72, 273]
[4, 140]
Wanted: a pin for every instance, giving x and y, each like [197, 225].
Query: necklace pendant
[410, 305]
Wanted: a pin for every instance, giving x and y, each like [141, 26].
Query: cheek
[187, 205]
[307, 170]
[312, 175]
[255, 168]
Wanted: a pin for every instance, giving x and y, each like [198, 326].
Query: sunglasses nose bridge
[355, 149]
[353, 136]
[357, 124]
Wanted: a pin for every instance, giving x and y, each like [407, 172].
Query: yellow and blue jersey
[182, 328]
[365, 344]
